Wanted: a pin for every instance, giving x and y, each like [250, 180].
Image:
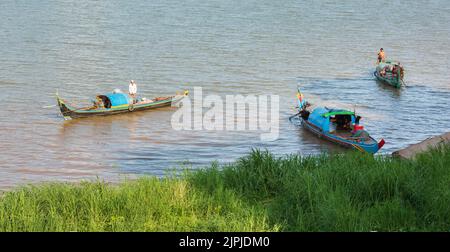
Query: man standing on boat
[132, 90]
[381, 56]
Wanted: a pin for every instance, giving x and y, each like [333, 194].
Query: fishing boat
[390, 72]
[115, 103]
[339, 126]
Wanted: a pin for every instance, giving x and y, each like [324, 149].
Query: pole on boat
[292, 116]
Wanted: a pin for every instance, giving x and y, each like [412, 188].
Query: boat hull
[392, 82]
[369, 148]
[392, 73]
[70, 112]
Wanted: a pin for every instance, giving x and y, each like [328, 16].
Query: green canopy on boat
[338, 112]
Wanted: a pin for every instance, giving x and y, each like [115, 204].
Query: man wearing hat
[132, 90]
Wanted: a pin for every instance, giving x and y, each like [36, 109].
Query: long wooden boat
[115, 103]
[390, 72]
[338, 126]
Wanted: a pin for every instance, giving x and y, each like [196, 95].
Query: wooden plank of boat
[71, 112]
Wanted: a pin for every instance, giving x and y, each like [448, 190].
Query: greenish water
[86, 47]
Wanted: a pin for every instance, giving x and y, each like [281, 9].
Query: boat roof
[118, 99]
[320, 116]
[333, 112]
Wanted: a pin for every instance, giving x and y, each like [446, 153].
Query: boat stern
[369, 148]
[374, 148]
[381, 144]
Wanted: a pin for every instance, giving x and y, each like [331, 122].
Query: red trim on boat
[381, 143]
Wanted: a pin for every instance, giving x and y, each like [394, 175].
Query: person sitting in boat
[383, 72]
[98, 103]
[394, 71]
[132, 89]
[381, 56]
[357, 119]
[358, 131]
[333, 124]
[355, 126]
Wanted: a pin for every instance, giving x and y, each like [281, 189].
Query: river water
[328, 48]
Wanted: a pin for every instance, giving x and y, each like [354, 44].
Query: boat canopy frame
[338, 112]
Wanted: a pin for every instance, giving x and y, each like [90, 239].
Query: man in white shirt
[132, 90]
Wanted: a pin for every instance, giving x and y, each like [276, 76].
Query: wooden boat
[338, 126]
[115, 103]
[390, 72]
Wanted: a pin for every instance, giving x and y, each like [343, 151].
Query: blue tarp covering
[118, 99]
[317, 117]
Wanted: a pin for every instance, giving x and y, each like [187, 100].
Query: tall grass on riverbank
[349, 192]
[147, 204]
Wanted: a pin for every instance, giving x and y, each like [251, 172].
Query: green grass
[260, 192]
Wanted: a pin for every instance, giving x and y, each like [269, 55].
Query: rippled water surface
[82, 48]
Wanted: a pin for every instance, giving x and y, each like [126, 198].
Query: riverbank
[349, 192]
[432, 142]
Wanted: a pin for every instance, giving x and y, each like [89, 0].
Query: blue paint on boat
[318, 122]
[118, 99]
